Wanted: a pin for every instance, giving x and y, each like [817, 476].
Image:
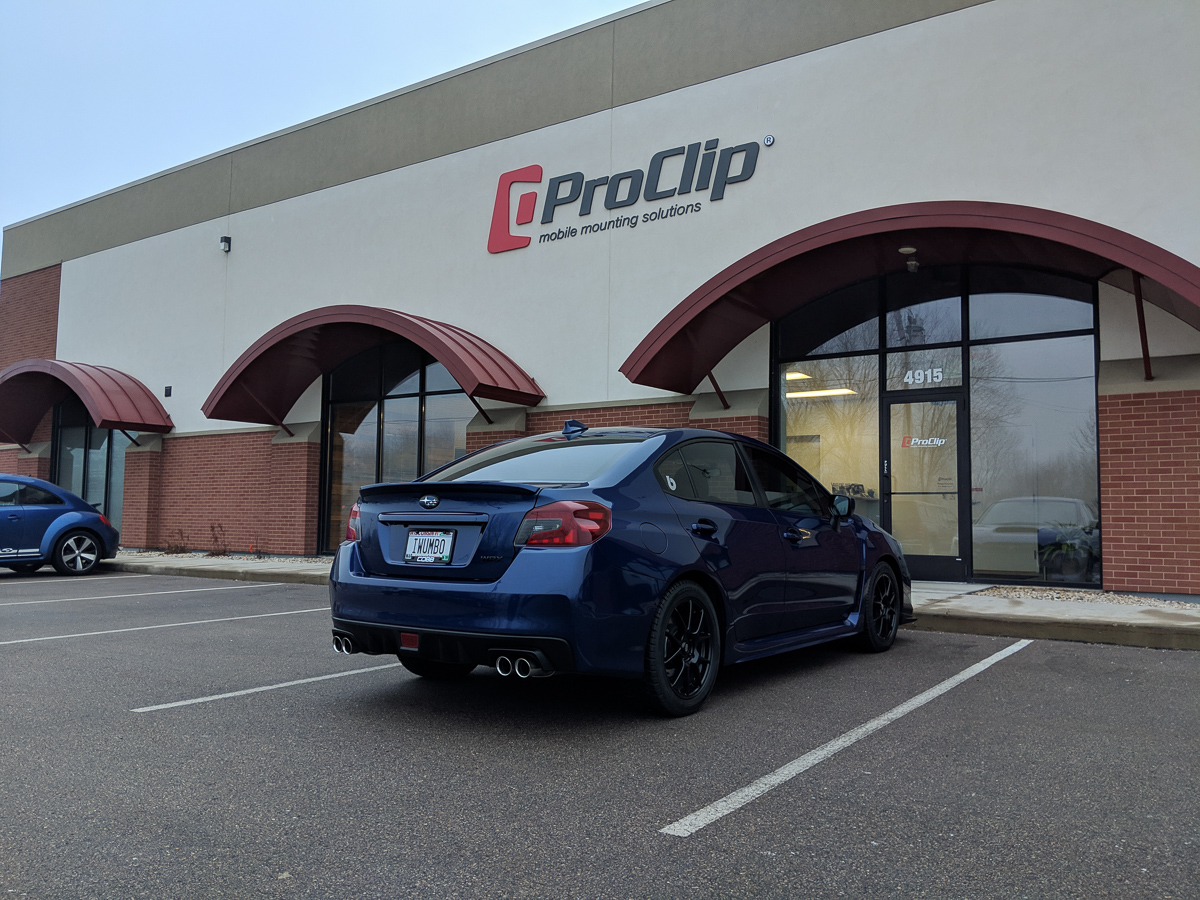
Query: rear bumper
[554, 653]
[457, 621]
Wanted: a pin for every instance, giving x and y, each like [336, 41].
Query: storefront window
[831, 415]
[987, 375]
[393, 413]
[1035, 497]
[89, 461]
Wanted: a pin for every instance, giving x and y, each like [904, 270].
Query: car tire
[880, 610]
[76, 553]
[436, 670]
[25, 568]
[683, 652]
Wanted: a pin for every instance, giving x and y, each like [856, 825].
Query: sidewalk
[940, 606]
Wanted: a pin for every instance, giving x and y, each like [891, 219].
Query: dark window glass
[402, 363]
[673, 477]
[1011, 302]
[541, 461]
[924, 307]
[438, 378]
[352, 437]
[9, 492]
[786, 487]
[446, 420]
[36, 496]
[1033, 460]
[401, 424]
[357, 378]
[717, 473]
[842, 322]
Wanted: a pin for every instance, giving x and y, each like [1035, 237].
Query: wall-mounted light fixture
[226, 243]
[911, 263]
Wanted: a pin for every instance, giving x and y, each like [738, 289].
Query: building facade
[944, 253]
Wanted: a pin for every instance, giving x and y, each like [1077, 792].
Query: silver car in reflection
[1054, 538]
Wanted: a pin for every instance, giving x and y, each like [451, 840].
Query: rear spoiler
[446, 488]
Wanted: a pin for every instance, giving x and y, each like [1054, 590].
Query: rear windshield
[544, 460]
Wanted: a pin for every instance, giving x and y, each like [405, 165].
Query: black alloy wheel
[435, 670]
[881, 610]
[76, 553]
[683, 652]
[25, 568]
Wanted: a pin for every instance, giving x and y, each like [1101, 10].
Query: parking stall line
[257, 690]
[235, 587]
[34, 582]
[62, 637]
[690, 824]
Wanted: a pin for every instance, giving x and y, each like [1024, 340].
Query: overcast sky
[97, 93]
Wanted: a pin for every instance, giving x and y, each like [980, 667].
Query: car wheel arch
[710, 586]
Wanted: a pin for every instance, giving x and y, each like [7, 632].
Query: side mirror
[843, 506]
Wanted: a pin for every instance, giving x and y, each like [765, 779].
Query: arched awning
[785, 275]
[267, 380]
[29, 388]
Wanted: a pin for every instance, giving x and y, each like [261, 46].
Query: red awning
[267, 380]
[113, 399]
[783, 276]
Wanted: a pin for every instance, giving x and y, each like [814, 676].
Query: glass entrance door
[922, 478]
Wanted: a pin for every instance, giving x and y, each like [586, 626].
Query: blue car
[652, 554]
[42, 523]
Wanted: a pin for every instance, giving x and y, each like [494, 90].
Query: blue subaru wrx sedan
[640, 553]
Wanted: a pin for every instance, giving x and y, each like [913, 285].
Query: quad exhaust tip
[522, 666]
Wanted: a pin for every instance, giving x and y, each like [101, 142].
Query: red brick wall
[29, 312]
[1150, 491]
[262, 495]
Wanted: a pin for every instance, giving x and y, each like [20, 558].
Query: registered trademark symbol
[768, 140]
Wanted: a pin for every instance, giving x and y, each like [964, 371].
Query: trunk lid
[467, 535]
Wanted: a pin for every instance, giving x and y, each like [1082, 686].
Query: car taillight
[564, 523]
[354, 525]
[105, 521]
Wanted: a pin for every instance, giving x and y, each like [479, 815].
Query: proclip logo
[500, 238]
[699, 170]
[907, 441]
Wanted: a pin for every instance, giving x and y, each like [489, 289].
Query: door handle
[14, 517]
[795, 535]
[704, 528]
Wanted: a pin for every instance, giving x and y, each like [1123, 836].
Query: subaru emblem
[429, 501]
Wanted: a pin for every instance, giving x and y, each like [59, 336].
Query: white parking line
[235, 587]
[689, 825]
[60, 637]
[269, 687]
[33, 582]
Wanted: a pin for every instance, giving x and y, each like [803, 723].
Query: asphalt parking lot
[142, 758]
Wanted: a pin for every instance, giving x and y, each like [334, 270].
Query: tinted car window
[36, 496]
[8, 493]
[786, 487]
[717, 473]
[544, 461]
[673, 477]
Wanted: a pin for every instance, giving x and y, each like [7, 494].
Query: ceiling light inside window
[794, 376]
[832, 392]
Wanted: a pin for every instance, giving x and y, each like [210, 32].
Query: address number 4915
[923, 376]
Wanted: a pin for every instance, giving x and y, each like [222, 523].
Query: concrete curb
[939, 607]
[240, 570]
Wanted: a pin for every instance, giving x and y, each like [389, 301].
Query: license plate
[429, 547]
